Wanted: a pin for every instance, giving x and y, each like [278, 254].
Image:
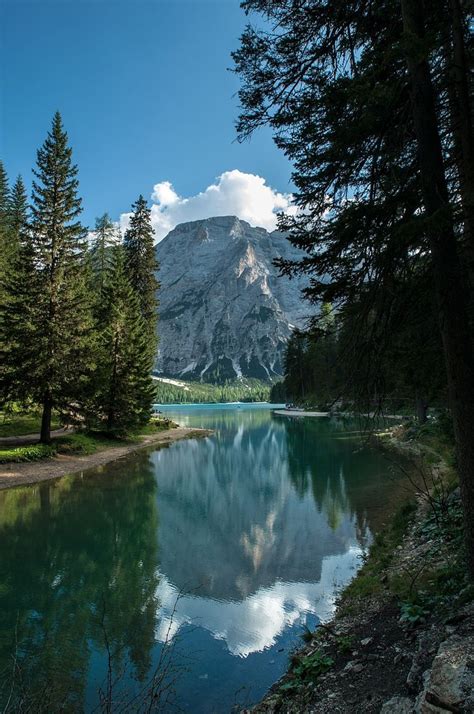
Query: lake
[193, 570]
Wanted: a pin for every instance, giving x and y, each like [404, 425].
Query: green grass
[79, 444]
[18, 424]
[155, 425]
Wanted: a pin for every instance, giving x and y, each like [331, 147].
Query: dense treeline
[323, 368]
[372, 102]
[77, 311]
[248, 390]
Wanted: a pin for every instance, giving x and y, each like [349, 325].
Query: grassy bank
[79, 443]
[19, 423]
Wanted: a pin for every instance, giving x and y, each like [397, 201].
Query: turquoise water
[199, 564]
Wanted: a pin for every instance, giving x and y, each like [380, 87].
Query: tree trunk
[450, 290]
[461, 117]
[113, 388]
[421, 409]
[45, 436]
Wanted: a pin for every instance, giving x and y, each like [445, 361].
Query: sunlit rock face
[224, 310]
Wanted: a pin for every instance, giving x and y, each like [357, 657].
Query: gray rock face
[224, 310]
[449, 685]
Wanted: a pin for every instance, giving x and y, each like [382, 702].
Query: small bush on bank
[33, 452]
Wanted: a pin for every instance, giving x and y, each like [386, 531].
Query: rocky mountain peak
[224, 310]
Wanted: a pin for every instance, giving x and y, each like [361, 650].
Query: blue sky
[145, 94]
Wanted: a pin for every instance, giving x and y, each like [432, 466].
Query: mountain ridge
[225, 312]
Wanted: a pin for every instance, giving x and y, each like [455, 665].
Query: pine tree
[124, 388]
[4, 199]
[358, 97]
[58, 328]
[105, 237]
[19, 309]
[4, 223]
[18, 211]
[141, 266]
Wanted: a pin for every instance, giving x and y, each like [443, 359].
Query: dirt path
[25, 439]
[27, 473]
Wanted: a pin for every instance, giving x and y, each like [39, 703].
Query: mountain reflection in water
[233, 542]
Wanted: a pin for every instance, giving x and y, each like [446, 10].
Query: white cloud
[246, 196]
[253, 624]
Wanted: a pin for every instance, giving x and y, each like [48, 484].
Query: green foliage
[77, 327]
[141, 266]
[34, 452]
[345, 643]
[413, 614]
[17, 422]
[245, 390]
[384, 184]
[84, 443]
[46, 319]
[310, 666]
[105, 237]
[305, 669]
[4, 224]
[278, 392]
[122, 390]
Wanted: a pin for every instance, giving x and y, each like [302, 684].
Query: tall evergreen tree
[18, 211]
[124, 389]
[19, 308]
[51, 356]
[452, 298]
[105, 237]
[358, 98]
[4, 198]
[4, 222]
[141, 266]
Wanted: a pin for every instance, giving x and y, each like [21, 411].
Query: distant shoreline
[302, 413]
[299, 413]
[25, 474]
[161, 405]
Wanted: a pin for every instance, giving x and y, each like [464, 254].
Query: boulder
[449, 685]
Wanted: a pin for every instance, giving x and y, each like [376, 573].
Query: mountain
[224, 310]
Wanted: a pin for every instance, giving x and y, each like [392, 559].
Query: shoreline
[303, 413]
[27, 473]
[390, 646]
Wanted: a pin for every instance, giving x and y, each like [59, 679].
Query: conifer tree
[19, 308]
[18, 211]
[141, 266]
[105, 237]
[4, 198]
[4, 222]
[58, 328]
[124, 389]
[13, 218]
[358, 97]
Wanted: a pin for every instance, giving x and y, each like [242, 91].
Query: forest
[78, 310]
[244, 390]
[372, 104]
